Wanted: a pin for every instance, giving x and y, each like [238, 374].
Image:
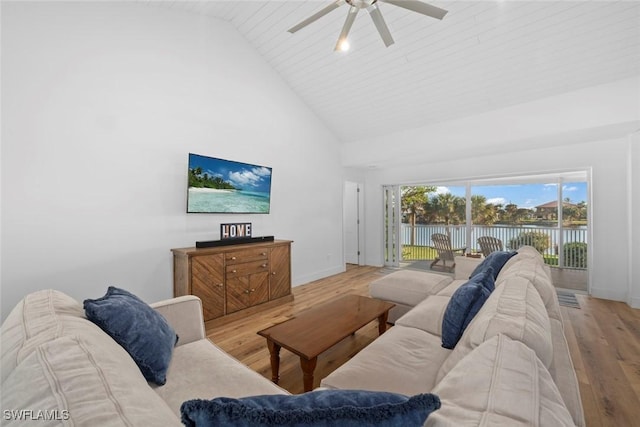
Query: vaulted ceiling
[484, 55]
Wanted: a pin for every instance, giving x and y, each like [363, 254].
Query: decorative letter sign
[233, 231]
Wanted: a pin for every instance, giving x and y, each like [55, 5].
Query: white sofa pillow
[427, 315]
[500, 383]
[61, 382]
[38, 318]
[514, 309]
[534, 270]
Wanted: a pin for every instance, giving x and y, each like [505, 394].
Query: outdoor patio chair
[489, 244]
[446, 254]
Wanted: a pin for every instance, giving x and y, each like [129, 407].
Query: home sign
[235, 230]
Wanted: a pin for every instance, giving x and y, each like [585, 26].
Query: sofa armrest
[184, 314]
[465, 266]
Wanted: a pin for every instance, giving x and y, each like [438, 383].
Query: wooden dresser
[234, 280]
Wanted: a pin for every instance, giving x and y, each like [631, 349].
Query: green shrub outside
[575, 254]
[537, 239]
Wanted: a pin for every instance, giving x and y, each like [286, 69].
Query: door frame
[352, 195]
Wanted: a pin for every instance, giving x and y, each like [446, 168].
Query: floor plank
[603, 338]
[606, 348]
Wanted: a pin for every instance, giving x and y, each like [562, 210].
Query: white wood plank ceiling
[482, 56]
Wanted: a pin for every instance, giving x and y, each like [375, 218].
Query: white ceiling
[482, 56]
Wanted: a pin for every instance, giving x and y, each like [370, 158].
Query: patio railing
[545, 239]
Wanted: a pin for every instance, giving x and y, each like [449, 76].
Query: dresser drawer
[246, 255]
[247, 268]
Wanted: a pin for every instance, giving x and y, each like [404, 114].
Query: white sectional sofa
[511, 366]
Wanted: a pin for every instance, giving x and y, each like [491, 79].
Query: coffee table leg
[274, 351]
[382, 323]
[308, 366]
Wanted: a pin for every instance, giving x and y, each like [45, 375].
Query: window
[548, 212]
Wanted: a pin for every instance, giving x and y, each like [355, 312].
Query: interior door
[351, 223]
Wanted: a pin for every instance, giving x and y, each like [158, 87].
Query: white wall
[101, 104]
[634, 220]
[591, 114]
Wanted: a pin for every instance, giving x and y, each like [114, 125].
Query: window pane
[427, 210]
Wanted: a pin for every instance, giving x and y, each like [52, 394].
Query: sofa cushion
[501, 382]
[201, 370]
[452, 287]
[514, 309]
[534, 269]
[464, 305]
[408, 287]
[137, 327]
[83, 385]
[43, 316]
[528, 251]
[403, 360]
[34, 321]
[317, 408]
[427, 315]
[496, 260]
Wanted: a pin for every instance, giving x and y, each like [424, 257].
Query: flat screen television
[225, 186]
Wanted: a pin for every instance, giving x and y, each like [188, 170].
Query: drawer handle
[273, 273]
[264, 265]
[246, 292]
[252, 290]
[233, 258]
[220, 285]
[264, 254]
[234, 271]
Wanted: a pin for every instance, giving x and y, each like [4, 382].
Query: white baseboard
[303, 280]
[609, 294]
[634, 302]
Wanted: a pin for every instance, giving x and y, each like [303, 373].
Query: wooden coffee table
[316, 330]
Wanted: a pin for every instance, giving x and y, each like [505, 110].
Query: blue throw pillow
[316, 408]
[137, 327]
[464, 304]
[496, 260]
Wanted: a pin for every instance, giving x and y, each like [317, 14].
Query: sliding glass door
[392, 244]
[547, 211]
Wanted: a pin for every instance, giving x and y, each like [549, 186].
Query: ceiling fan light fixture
[343, 45]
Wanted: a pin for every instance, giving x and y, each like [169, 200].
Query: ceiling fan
[376, 16]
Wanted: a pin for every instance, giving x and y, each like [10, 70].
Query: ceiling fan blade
[351, 16]
[316, 16]
[378, 20]
[420, 7]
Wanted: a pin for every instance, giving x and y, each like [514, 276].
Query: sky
[241, 175]
[524, 195]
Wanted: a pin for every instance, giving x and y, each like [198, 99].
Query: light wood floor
[603, 337]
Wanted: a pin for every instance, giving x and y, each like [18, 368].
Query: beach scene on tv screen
[219, 186]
